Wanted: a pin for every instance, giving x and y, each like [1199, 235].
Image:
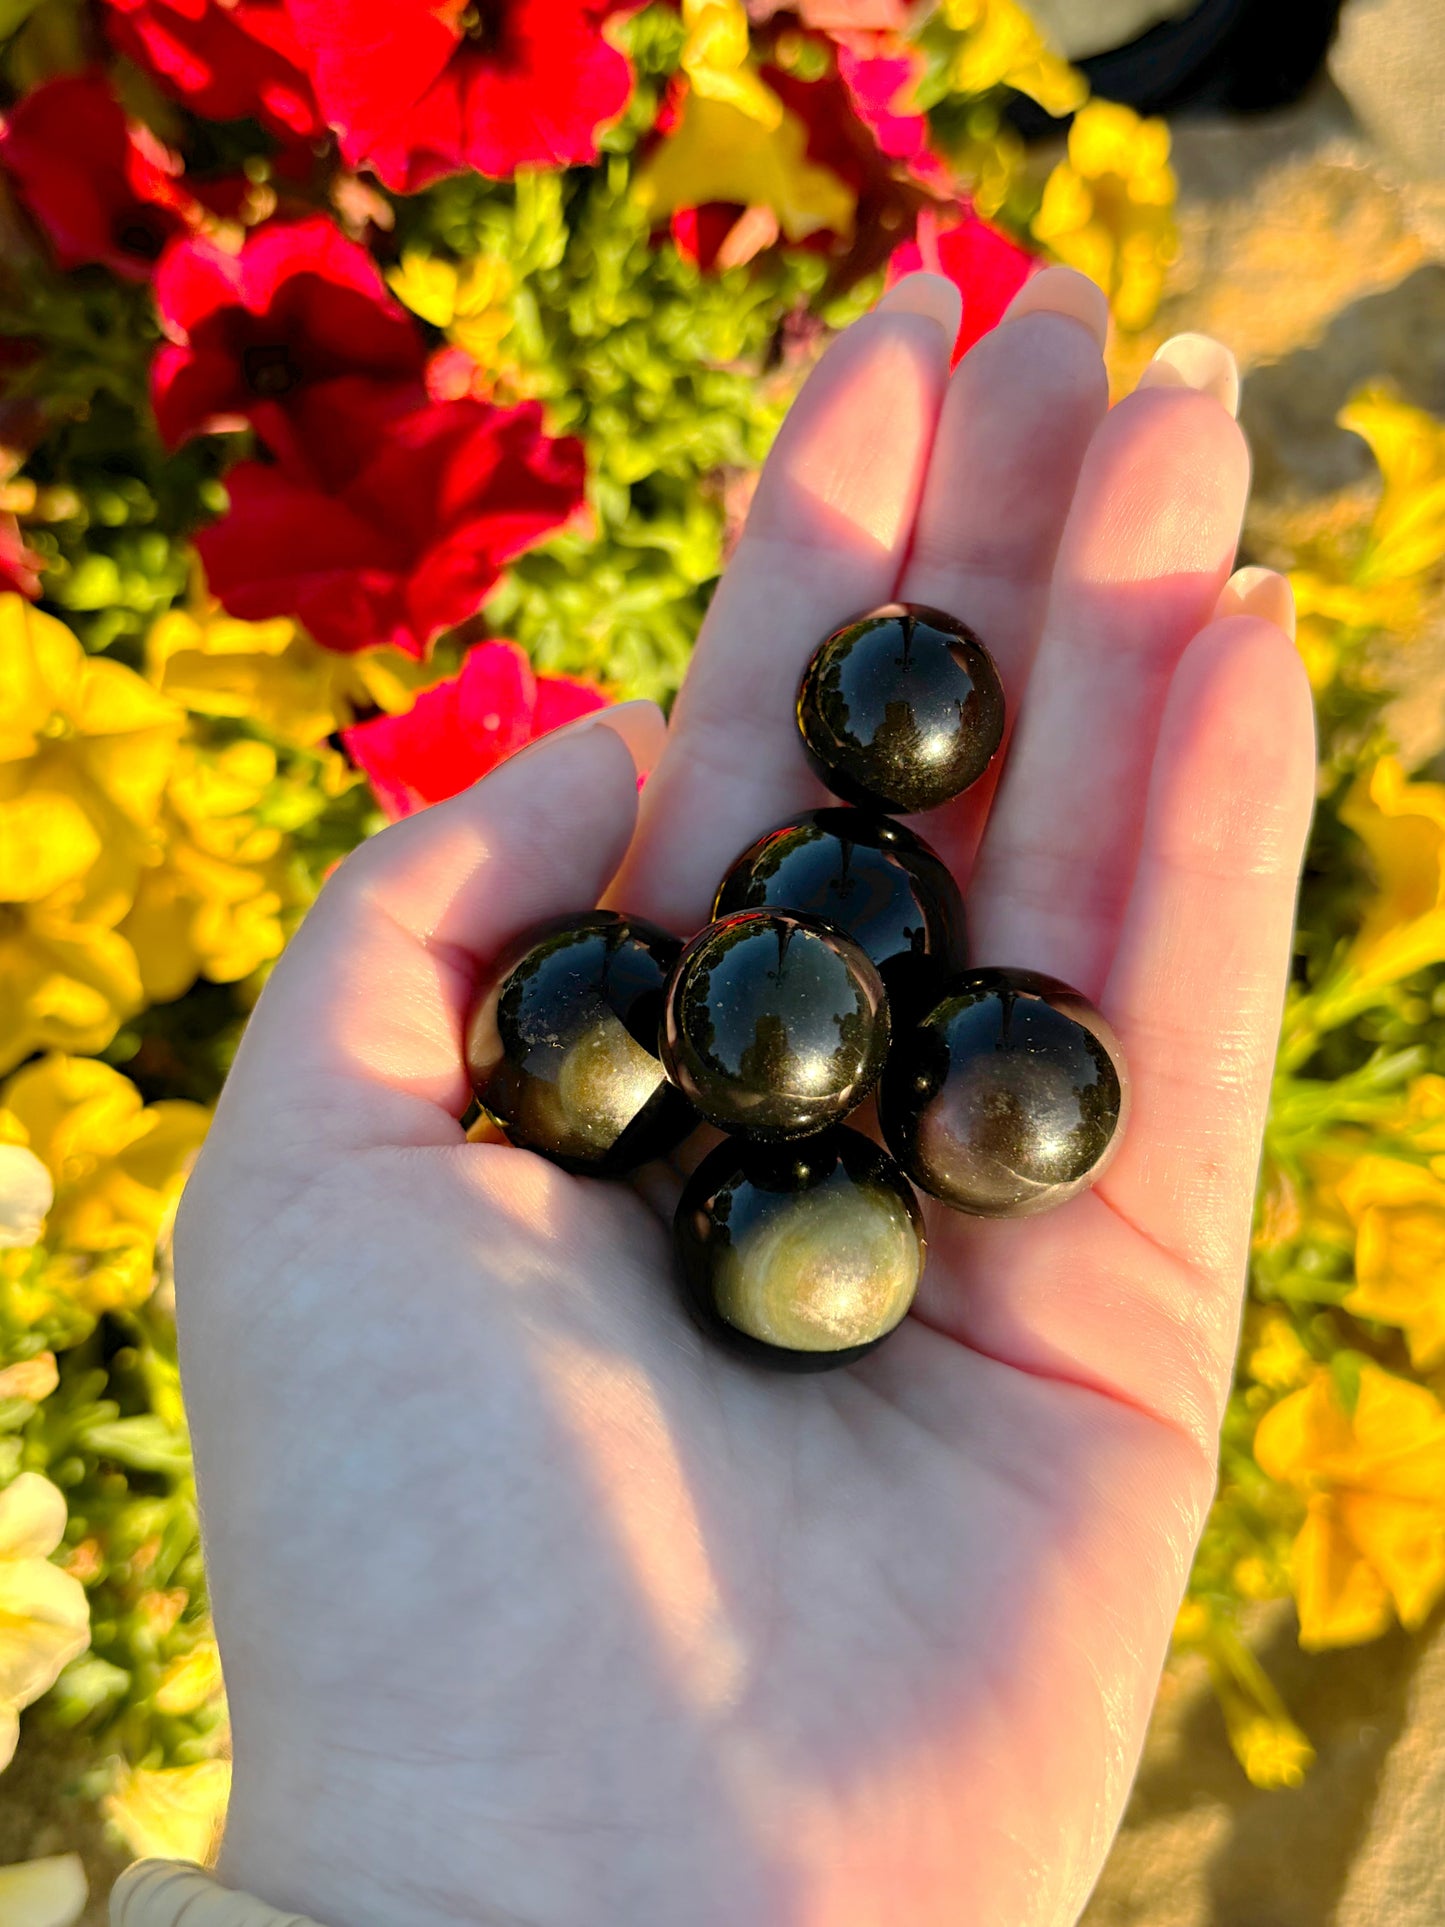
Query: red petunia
[251, 331]
[19, 566]
[417, 89]
[225, 59]
[986, 267]
[101, 186]
[396, 520]
[457, 731]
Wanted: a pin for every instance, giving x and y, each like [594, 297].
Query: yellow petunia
[1277, 1358]
[716, 57]
[469, 299]
[1373, 1542]
[273, 674]
[44, 1615]
[212, 907]
[1108, 207]
[1398, 1211]
[81, 726]
[1407, 536]
[1402, 825]
[66, 979]
[117, 1165]
[44, 1893]
[718, 153]
[1003, 48]
[172, 1813]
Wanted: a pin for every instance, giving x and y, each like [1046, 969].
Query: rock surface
[1389, 61]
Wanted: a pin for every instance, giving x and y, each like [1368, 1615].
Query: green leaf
[146, 1443]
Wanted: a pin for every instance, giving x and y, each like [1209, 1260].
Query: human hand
[532, 1606]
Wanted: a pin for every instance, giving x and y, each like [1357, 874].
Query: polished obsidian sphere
[1008, 1098]
[867, 876]
[902, 709]
[775, 1025]
[800, 1255]
[563, 1047]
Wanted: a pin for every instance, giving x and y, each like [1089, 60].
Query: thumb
[358, 1036]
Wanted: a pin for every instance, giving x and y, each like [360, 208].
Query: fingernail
[933, 295]
[1061, 290]
[1258, 592]
[640, 724]
[1195, 361]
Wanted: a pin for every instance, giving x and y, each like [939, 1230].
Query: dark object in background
[800, 1256]
[1227, 56]
[1009, 1098]
[774, 1025]
[867, 876]
[562, 1051]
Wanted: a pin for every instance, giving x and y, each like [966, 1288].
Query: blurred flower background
[382, 385]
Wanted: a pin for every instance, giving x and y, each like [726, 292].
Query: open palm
[533, 1607]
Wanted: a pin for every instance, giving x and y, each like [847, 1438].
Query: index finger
[826, 537]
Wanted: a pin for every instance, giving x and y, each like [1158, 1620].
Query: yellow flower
[1278, 1359]
[1108, 208]
[213, 906]
[81, 726]
[66, 978]
[117, 1165]
[1407, 536]
[1398, 1210]
[173, 1813]
[1374, 1482]
[1273, 1752]
[44, 1616]
[1004, 48]
[274, 674]
[469, 299]
[715, 58]
[44, 1893]
[1402, 825]
[191, 1680]
[1267, 1743]
[719, 153]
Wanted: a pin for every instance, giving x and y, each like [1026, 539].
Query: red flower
[457, 731]
[396, 523]
[19, 566]
[986, 267]
[102, 187]
[422, 88]
[225, 59]
[251, 331]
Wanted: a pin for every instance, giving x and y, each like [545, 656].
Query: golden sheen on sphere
[799, 1256]
[563, 1048]
[1008, 1098]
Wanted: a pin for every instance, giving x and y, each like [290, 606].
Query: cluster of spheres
[835, 968]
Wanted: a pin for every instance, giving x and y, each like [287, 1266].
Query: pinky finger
[1197, 982]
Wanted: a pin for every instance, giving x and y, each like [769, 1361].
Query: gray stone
[1389, 62]
[1398, 1874]
[1078, 28]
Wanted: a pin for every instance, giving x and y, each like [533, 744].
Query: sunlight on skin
[612, 1411]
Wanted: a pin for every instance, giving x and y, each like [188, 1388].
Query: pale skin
[534, 1608]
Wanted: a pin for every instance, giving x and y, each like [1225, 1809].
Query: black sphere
[1008, 1098]
[563, 1049]
[902, 709]
[800, 1256]
[867, 876]
[775, 1025]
